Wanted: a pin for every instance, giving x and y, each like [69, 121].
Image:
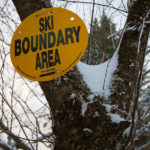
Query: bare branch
[5, 146]
[98, 4]
[17, 119]
[19, 142]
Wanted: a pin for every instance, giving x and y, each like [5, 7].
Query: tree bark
[131, 55]
[93, 129]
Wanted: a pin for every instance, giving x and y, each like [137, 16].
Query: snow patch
[142, 30]
[133, 28]
[91, 97]
[115, 118]
[84, 108]
[98, 77]
[127, 131]
[73, 95]
[87, 130]
[85, 104]
[108, 107]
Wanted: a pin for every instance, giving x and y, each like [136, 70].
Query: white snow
[87, 130]
[115, 118]
[73, 95]
[84, 108]
[144, 146]
[85, 104]
[141, 31]
[108, 107]
[91, 97]
[44, 135]
[131, 28]
[127, 131]
[98, 77]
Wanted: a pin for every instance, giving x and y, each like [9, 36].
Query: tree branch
[23, 13]
[130, 56]
[98, 4]
[19, 142]
[5, 146]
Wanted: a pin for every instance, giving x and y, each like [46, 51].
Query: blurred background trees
[25, 119]
[104, 40]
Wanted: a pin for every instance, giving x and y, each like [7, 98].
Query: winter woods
[81, 118]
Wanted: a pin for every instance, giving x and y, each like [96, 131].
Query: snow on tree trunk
[131, 55]
[82, 120]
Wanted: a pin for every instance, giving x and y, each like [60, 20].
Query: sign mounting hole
[72, 18]
[20, 31]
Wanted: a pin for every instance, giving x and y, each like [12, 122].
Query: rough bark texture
[25, 8]
[91, 131]
[94, 129]
[124, 86]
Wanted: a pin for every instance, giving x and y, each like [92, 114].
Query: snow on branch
[5, 146]
[142, 30]
[44, 136]
[17, 119]
[20, 143]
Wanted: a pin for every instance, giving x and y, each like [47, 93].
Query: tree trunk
[68, 95]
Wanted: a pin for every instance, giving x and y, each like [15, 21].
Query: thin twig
[17, 120]
[98, 4]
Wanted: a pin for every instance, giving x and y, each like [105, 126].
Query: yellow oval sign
[48, 43]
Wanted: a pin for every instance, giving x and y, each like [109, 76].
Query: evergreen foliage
[104, 41]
